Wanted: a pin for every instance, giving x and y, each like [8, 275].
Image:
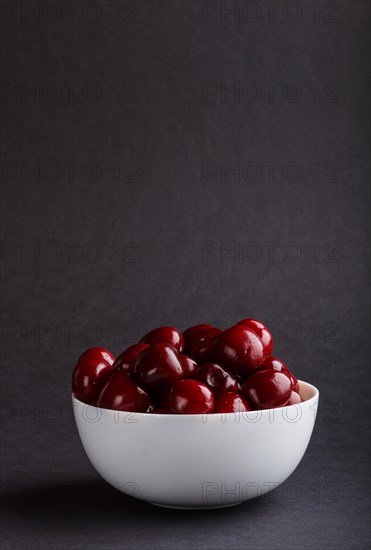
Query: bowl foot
[195, 507]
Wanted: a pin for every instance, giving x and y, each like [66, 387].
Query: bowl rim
[309, 401]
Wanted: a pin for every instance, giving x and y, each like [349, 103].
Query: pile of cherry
[203, 370]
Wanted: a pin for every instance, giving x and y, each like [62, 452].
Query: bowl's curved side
[197, 460]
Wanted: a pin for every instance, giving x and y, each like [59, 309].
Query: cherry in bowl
[125, 361]
[279, 366]
[267, 389]
[166, 335]
[262, 332]
[158, 366]
[231, 402]
[217, 378]
[191, 397]
[120, 393]
[203, 346]
[239, 349]
[88, 377]
[192, 334]
[98, 353]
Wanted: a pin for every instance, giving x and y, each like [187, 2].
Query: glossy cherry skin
[231, 402]
[278, 365]
[295, 399]
[202, 348]
[125, 361]
[189, 366]
[262, 332]
[167, 335]
[218, 379]
[158, 366]
[100, 353]
[239, 349]
[267, 389]
[192, 334]
[191, 397]
[120, 393]
[89, 375]
[275, 364]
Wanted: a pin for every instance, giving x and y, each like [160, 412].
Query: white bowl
[197, 461]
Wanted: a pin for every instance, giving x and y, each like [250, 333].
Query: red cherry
[267, 389]
[192, 334]
[100, 353]
[218, 379]
[231, 402]
[239, 349]
[125, 361]
[158, 366]
[278, 365]
[295, 399]
[275, 364]
[167, 335]
[191, 397]
[189, 366]
[261, 331]
[88, 377]
[202, 348]
[121, 394]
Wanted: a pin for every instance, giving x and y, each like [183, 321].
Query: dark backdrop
[176, 162]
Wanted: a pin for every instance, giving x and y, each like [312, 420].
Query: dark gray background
[161, 233]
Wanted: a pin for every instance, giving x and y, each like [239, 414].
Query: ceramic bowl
[197, 461]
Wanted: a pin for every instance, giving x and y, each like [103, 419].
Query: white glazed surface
[197, 461]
